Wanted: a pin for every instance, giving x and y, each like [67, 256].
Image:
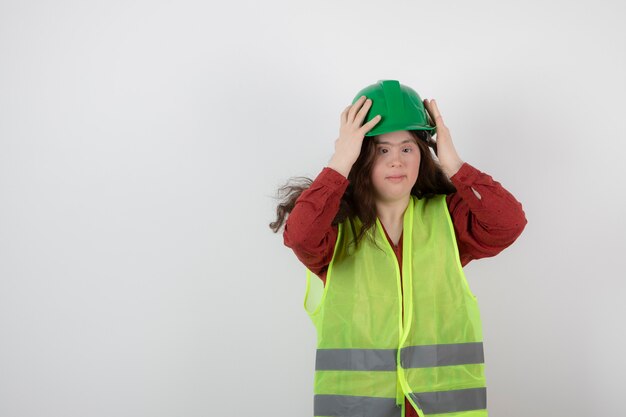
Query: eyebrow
[389, 143]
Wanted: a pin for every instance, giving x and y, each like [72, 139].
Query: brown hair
[358, 200]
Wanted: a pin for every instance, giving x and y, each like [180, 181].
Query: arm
[308, 230]
[486, 217]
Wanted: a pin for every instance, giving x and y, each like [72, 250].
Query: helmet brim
[388, 129]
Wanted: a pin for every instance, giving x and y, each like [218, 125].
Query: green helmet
[399, 106]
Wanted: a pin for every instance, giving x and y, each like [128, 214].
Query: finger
[428, 116]
[360, 116]
[434, 111]
[344, 115]
[369, 125]
[355, 107]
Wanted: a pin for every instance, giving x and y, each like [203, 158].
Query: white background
[141, 146]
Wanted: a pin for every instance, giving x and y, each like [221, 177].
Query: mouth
[396, 178]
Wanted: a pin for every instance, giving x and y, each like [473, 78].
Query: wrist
[454, 168]
[340, 166]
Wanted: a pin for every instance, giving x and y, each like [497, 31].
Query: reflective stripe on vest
[354, 406]
[451, 401]
[430, 402]
[411, 357]
[372, 353]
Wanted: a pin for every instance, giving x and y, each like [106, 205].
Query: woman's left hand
[446, 153]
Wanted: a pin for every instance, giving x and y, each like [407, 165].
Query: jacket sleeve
[486, 217]
[308, 230]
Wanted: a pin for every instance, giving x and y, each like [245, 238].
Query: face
[396, 165]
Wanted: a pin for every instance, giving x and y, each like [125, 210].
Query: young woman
[386, 229]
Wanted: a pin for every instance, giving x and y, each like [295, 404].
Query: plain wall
[142, 144]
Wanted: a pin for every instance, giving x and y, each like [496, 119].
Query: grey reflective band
[451, 401]
[411, 357]
[355, 360]
[354, 406]
[442, 355]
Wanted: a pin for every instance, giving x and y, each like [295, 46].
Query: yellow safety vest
[370, 356]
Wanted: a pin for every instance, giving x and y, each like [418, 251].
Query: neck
[392, 211]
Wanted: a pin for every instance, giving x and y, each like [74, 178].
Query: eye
[382, 149]
[408, 149]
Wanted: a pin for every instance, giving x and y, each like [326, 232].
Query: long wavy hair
[358, 199]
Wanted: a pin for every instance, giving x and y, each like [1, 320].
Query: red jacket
[483, 226]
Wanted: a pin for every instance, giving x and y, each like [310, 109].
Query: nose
[395, 159]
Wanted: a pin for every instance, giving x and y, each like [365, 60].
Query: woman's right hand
[351, 134]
